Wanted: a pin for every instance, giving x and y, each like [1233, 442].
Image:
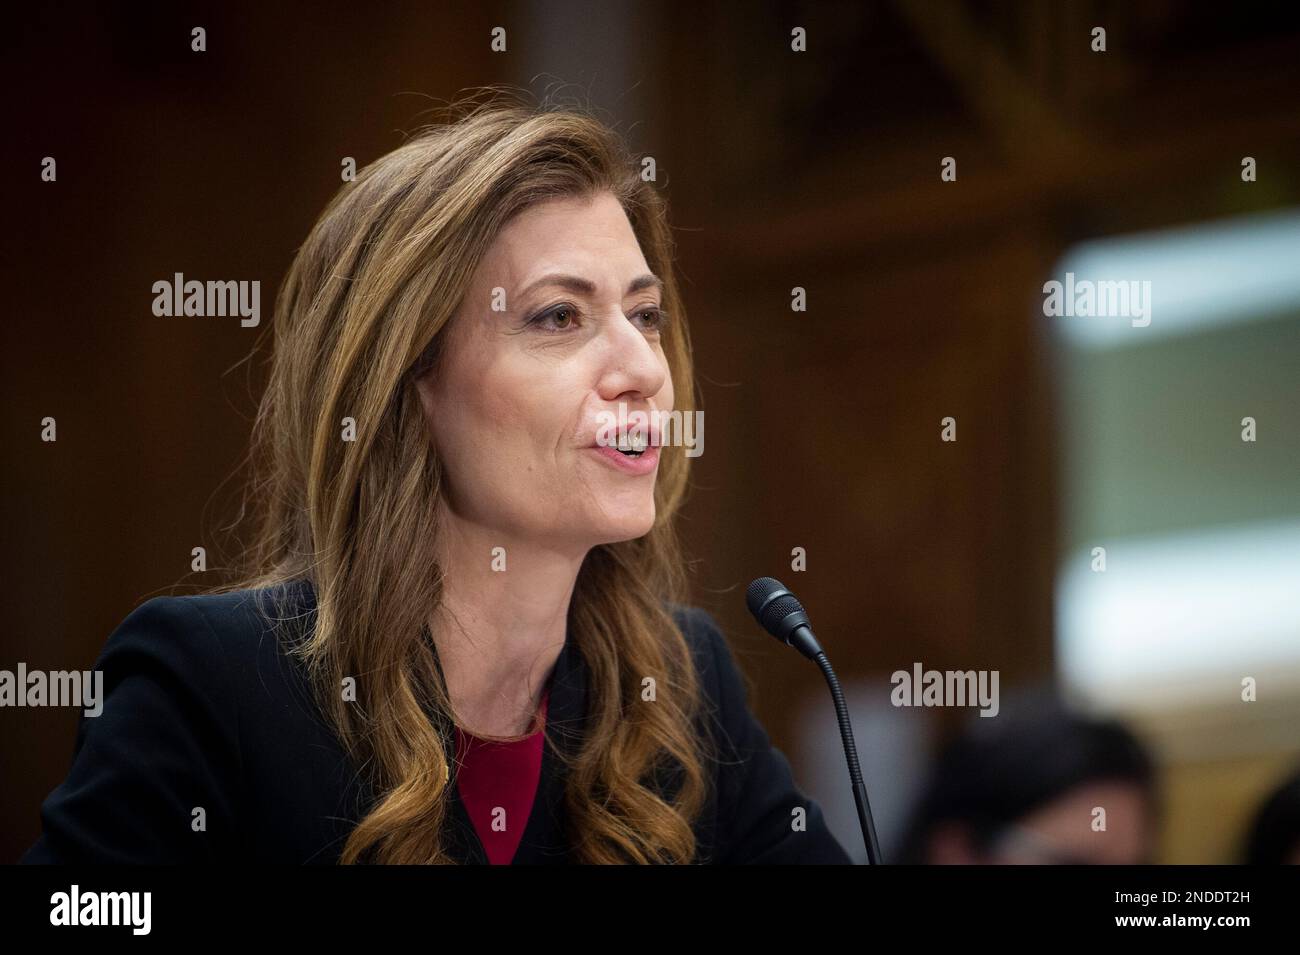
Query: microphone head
[777, 611]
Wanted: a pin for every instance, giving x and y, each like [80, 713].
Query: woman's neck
[501, 626]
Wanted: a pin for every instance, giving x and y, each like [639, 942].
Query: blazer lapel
[544, 841]
[545, 833]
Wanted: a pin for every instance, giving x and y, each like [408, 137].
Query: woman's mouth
[629, 461]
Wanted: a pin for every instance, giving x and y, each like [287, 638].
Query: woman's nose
[632, 362]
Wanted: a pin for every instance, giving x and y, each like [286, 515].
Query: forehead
[589, 236]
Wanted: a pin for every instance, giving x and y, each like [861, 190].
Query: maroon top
[497, 783]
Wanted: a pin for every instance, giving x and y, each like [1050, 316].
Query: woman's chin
[627, 528]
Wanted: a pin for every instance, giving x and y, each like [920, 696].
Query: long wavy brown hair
[360, 317]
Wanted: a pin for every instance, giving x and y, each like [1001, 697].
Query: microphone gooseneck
[780, 613]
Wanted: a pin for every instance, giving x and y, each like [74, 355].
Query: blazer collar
[545, 838]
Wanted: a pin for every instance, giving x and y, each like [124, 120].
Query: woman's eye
[562, 318]
[557, 319]
[656, 319]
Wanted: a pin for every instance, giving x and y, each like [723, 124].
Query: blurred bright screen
[1201, 528]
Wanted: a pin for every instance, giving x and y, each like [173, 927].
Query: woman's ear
[426, 389]
[426, 374]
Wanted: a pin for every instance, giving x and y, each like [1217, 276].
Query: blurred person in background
[1024, 787]
[1274, 836]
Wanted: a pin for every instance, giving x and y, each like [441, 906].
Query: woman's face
[516, 411]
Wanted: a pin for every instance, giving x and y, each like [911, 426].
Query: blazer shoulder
[757, 794]
[698, 626]
[217, 629]
[165, 737]
[709, 644]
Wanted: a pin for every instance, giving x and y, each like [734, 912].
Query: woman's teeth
[633, 447]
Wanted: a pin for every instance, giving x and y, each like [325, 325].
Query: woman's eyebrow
[576, 283]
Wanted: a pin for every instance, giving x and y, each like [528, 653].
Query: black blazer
[203, 708]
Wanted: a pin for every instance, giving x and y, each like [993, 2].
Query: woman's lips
[642, 464]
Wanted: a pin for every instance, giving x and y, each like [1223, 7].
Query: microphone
[780, 613]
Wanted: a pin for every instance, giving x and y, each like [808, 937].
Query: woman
[461, 635]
